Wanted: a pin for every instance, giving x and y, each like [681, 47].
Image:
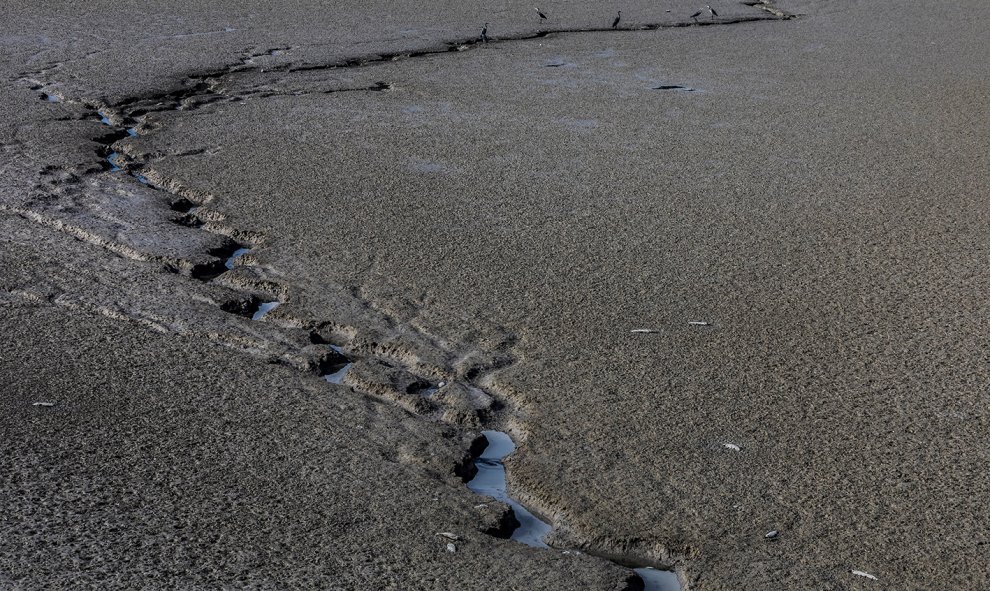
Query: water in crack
[337, 376]
[112, 159]
[229, 263]
[339, 371]
[263, 309]
[490, 481]
[658, 580]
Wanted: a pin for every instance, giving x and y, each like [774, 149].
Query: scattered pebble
[449, 536]
[772, 534]
[860, 573]
[43, 404]
[441, 384]
[732, 446]
[451, 547]
[699, 323]
[644, 330]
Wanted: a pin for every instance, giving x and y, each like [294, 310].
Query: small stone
[772, 535]
[43, 404]
[451, 547]
[732, 446]
[449, 536]
[860, 573]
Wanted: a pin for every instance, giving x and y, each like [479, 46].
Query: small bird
[711, 11]
[540, 12]
[618, 18]
[484, 33]
[695, 16]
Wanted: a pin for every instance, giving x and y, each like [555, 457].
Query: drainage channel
[490, 481]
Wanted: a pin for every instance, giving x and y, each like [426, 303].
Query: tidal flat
[267, 273]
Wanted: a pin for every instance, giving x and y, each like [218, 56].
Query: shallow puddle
[337, 376]
[229, 263]
[658, 580]
[263, 309]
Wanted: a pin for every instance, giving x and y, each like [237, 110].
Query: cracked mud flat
[451, 256]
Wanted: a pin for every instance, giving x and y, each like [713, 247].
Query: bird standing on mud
[540, 12]
[618, 18]
[484, 33]
[710, 10]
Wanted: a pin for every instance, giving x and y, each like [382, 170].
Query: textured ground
[502, 217]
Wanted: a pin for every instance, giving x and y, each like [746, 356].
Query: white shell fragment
[732, 446]
[772, 534]
[441, 384]
[643, 330]
[43, 404]
[448, 535]
[860, 573]
[699, 323]
[451, 547]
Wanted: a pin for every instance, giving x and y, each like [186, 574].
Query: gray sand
[498, 219]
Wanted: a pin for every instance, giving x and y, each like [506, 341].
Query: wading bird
[540, 12]
[618, 18]
[484, 33]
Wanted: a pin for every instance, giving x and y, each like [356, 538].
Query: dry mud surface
[716, 277]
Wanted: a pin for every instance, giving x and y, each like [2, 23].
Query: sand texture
[716, 277]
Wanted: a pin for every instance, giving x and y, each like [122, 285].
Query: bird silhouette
[618, 18]
[711, 11]
[540, 12]
[484, 33]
